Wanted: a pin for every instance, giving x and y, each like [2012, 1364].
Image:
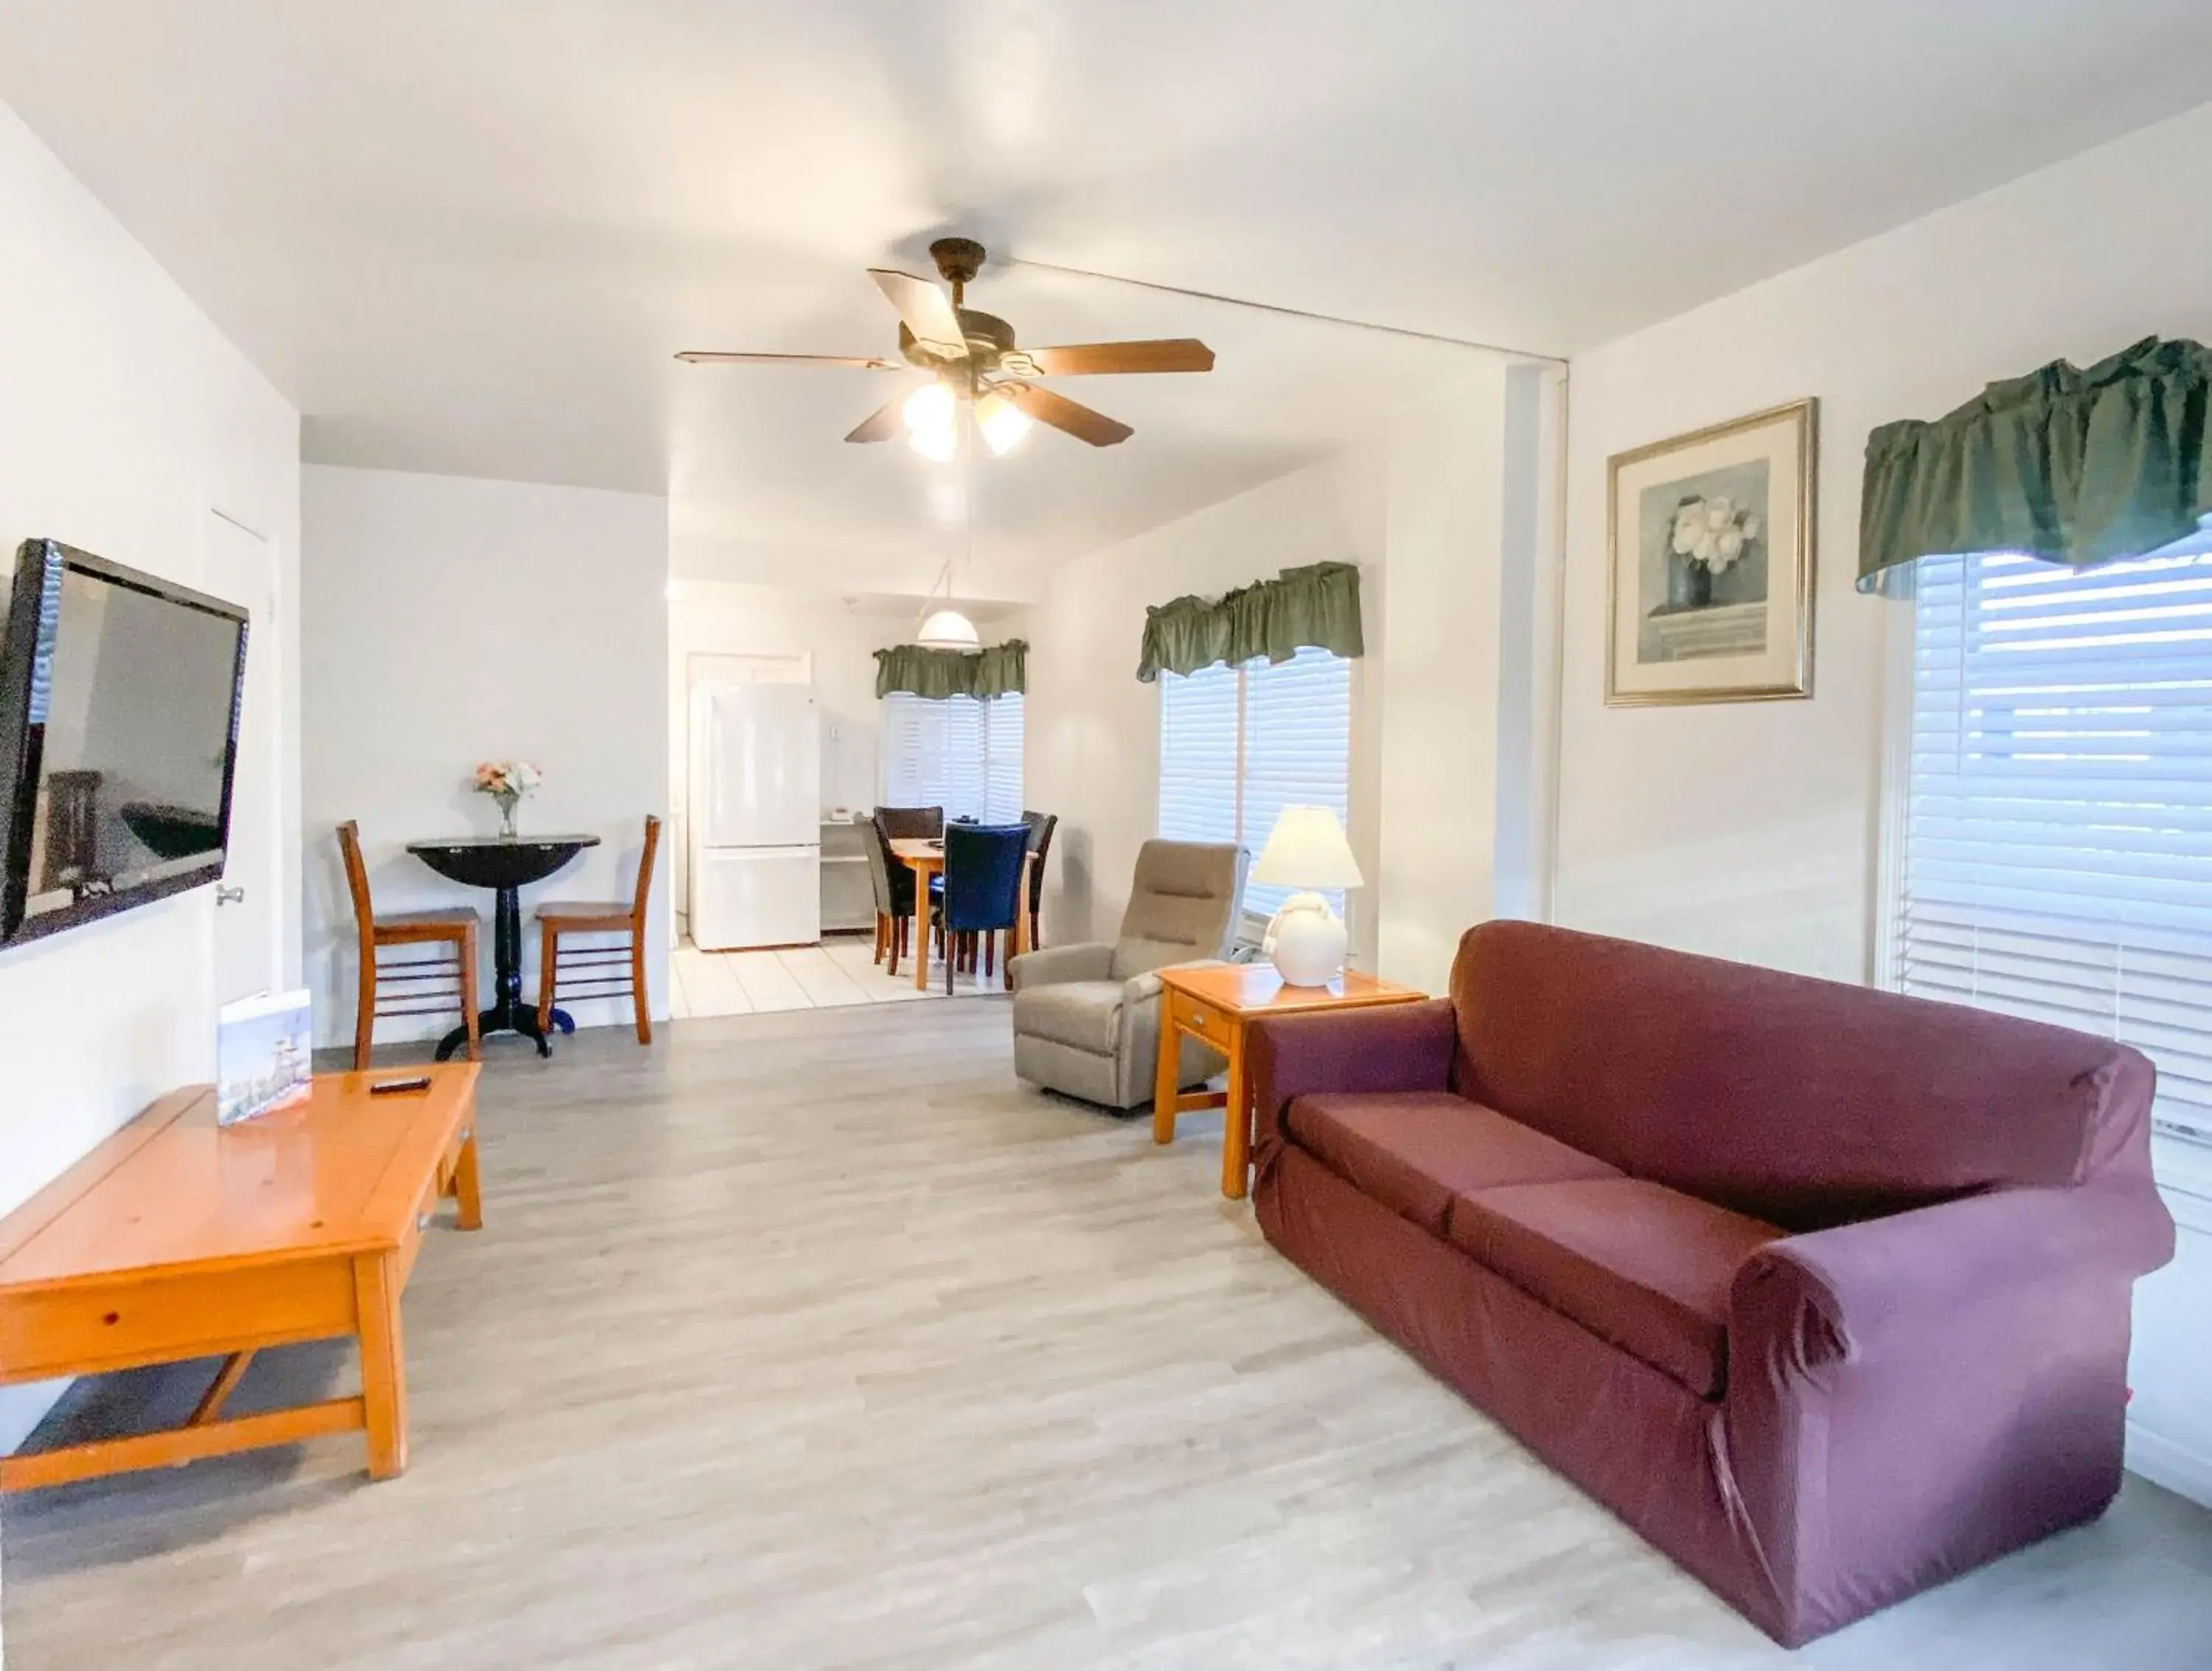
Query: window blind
[2057, 852]
[1298, 753]
[1002, 758]
[1199, 724]
[1238, 744]
[962, 753]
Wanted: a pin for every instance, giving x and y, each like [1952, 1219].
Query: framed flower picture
[1708, 547]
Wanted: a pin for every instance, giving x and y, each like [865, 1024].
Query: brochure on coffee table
[263, 1054]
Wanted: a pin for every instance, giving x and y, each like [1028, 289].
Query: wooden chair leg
[950, 948]
[897, 937]
[990, 951]
[637, 984]
[548, 973]
[364, 1015]
[468, 1017]
[1036, 931]
[881, 920]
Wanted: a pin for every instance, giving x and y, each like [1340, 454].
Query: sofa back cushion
[1805, 1103]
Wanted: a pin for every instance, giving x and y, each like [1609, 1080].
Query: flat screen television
[118, 738]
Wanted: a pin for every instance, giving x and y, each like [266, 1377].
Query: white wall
[1749, 830]
[128, 419]
[448, 621]
[1424, 510]
[1752, 830]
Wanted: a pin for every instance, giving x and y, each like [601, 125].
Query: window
[2057, 851]
[962, 753]
[1238, 744]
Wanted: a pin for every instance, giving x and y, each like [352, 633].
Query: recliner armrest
[1858, 1291]
[1092, 961]
[1390, 1047]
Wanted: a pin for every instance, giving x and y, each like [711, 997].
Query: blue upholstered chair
[982, 892]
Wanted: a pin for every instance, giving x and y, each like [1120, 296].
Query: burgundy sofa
[1822, 1289]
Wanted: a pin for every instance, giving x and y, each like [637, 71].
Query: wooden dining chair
[893, 884]
[599, 968]
[1040, 826]
[426, 985]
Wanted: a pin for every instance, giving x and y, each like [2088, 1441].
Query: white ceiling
[467, 238]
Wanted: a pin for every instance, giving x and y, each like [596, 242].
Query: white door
[763, 767]
[241, 569]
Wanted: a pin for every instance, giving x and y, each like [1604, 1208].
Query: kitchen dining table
[506, 865]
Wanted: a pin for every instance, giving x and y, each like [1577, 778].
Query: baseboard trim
[2175, 1467]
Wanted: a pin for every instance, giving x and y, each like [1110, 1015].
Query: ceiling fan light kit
[974, 362]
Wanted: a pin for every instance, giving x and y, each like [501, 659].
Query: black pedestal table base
[506, 865]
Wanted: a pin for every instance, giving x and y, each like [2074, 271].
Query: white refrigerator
[756, 816]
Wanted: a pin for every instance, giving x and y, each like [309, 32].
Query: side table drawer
[1207, 1022]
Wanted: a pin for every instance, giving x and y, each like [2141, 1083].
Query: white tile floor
[839, 971]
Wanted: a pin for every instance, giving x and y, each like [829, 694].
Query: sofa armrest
[1092, 961]
[1864, 1291]
[1389, 1047]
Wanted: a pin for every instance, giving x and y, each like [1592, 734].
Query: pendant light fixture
[947, 628]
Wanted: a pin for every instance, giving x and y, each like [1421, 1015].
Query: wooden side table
[1214, 1002]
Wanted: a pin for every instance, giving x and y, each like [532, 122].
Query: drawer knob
[1199, 1017]
[467, 1132]
[422, 1221]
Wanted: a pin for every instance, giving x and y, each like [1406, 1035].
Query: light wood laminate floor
[810, 1339]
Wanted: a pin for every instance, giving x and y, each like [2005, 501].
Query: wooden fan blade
[1090, 359]
[881, 424]
[1061, 413]
[864, 362]
[926, 310]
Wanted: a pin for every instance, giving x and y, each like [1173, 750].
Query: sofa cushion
[1085, 1014]
[1414, 1150]
[1632, 1262]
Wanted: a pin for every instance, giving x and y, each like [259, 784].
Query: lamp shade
[949, 629]
[1308, 850]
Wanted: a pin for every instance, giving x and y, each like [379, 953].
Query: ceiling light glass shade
[949, 629]
[930, 412]
[1308, 850]
[1003, 424]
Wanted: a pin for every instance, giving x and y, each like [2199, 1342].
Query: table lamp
[1307, 851]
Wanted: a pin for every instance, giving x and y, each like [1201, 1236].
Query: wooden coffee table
[176, 1239]
[1215, 1002]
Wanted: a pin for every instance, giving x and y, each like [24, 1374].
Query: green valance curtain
[993, 671]
[2077, 466]
[1317, 605]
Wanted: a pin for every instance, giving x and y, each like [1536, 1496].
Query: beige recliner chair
[1087, 1017]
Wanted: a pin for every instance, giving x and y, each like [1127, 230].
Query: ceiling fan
[973, 363]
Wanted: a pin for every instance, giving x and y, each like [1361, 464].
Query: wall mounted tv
[118, 738]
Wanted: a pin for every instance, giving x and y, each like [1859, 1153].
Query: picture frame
[1710, 565]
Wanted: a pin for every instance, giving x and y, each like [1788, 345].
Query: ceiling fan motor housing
[990, 340]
